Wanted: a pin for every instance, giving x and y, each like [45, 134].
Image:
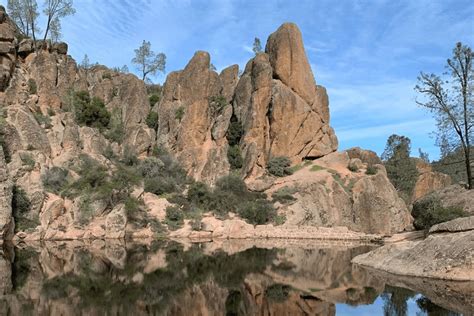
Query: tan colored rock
[155, 205]
[366, 156]
[429, 182]
[197, 144]
[456, 196]
[443, 256]
[289, 62]
[282, 111]
[116, 222]
[377, 207]
[52, 209]
[455, 225]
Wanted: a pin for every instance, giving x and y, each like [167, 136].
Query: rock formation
[428, 180]
[190, 125]
[282, 110]
[278, 109]
[445, 254]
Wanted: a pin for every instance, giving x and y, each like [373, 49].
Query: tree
[147, 61]
[401, 169]
[25, 14]
[257, 46]
[424, 155]
[54, 11]
[452, 104]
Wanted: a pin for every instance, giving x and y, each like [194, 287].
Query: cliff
[81, 156]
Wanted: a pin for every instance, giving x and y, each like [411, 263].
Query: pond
[266, 277]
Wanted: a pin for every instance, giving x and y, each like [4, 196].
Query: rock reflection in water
[172, 278]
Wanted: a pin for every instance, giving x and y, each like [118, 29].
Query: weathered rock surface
[191, 125]
[428, 181]
[8, 31]
[328, 194]
[446, 256]
[456, 196]
[455, 225]
[282, 110]
[6, 220]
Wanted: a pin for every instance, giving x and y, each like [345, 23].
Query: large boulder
[191, 124]
[441, 255]
[282, 110]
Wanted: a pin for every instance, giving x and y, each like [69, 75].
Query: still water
[215, 278]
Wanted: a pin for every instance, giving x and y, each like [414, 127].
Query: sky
[367, 54]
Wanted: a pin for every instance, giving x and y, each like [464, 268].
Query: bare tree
[54, 11]
[257, 46]
[451, 102]
[147, 61]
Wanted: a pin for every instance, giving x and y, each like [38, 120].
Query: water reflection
[227, 278]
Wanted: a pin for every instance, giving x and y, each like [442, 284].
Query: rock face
[456, 196]
[191, 123]
[328, 194]
[428, 181]
[6, 220]
[282, 111]
[441, 255]
[8, 31]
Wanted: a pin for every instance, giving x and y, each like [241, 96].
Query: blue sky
[366, 53]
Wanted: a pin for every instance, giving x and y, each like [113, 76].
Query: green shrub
[160, 185]
[196, 225]
[315, 168]
[154, 99]
[32, 87]
[174, 217]
[223, 202]
[277, 292]
[151, 167]
[21, 206]
[279, 220]
[92, 175]
[42, 119]
[430, 211]
[179, 113]
[107, 75]
[279, 166]
[55, 179]
[27, 159]
[129, 157]
[235, 132]
[284, 195]
[116, 131]
[152, 120]
[90, 112]
[51, 112]
[235, 157]
[371, 170]
[199, 194]
[217, 104]
[232, 183]
[352, 168]
[132, 206]
[257, 212]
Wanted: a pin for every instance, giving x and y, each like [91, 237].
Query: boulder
[60, 48]
[116, 222]
[366, 156]
[443, 256]
[456, 196]
[455, 225]
[25, 47]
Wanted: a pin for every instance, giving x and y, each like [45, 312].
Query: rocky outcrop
[428, 180]
[194, 115]
[282, 110]
[6, 220]
[326, 193]
[8, 31]
[455, 196]
[441, 255]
